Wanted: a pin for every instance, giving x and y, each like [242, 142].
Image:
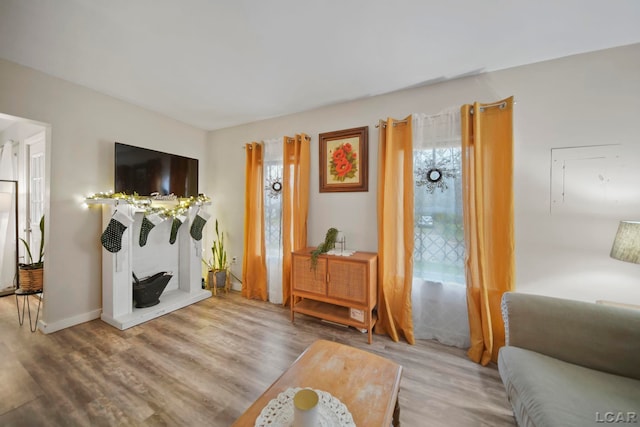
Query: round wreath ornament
[434, 175]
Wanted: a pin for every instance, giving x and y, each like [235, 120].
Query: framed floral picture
[344, 160]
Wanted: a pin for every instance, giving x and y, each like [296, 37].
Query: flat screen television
[144, 171]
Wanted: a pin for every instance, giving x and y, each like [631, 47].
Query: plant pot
[30, 278]
[217, 279]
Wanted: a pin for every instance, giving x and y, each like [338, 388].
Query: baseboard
[49, 328]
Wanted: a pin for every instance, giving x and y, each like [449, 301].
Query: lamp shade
[626, 245]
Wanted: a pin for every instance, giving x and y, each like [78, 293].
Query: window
[438, 294]
[273, 207]
[272, 174]
[438, 234]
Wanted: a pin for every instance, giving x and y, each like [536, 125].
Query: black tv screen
[144, 171]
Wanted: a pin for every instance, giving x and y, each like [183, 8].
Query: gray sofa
[570, 363]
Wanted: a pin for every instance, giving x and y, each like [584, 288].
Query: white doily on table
[279, 412]
[338, 252]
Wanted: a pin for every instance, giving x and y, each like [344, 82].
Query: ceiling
[214, 64]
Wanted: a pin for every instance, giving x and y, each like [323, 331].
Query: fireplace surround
[182, 259]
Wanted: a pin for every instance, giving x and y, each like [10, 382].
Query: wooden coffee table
[366, 383]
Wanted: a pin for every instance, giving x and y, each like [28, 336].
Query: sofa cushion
[592, 335]
[549, 392]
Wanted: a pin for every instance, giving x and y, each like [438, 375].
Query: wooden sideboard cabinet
[341, 289]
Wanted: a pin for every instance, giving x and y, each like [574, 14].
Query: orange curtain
[295, 204]
[395, 229]
[487, 174]
[254, 267]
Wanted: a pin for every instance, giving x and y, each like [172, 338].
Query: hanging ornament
[274, 187]
[433, 174]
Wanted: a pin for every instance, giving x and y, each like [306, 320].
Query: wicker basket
[31, 279]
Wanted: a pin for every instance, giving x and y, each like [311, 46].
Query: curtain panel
[395, 229]
[439, 300]
[487, 170]
[272, 171]
[254, 269]
[295, 202]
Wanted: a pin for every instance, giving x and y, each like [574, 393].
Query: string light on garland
[433, 174]
[145, 203]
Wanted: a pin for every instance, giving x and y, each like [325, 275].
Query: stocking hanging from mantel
[148, 222]
[177, 222]
[198, 224]
[112, 236]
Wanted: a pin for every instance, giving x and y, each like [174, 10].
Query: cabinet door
[307, 278]
[348, 280]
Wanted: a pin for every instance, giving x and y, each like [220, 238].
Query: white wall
[584, 100]
[83, 127]
[587, 99]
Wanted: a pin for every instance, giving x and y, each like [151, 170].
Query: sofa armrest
[596, 336]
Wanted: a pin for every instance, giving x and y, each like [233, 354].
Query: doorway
[23, 152]
[8, 230]
[34, 182]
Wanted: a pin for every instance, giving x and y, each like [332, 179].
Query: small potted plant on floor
[218, 267]
[31, 273]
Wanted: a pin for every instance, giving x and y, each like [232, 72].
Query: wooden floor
[205, 364]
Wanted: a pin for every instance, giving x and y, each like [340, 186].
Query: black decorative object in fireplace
[146, 292]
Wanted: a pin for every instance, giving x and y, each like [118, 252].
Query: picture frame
[344, 160]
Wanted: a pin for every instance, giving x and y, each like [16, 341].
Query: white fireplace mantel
[182, 259]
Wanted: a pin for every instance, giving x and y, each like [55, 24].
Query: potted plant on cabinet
[31, 273]
[328, 244]
[218, 267]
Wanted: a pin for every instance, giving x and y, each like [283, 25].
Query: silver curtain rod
[502, 106]
[289, 141]
[395, 122]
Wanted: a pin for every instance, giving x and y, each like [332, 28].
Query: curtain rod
[502, 106]
[289, 141]
[442, 113]
[395, 122]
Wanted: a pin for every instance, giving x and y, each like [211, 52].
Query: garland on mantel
[144, 203]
